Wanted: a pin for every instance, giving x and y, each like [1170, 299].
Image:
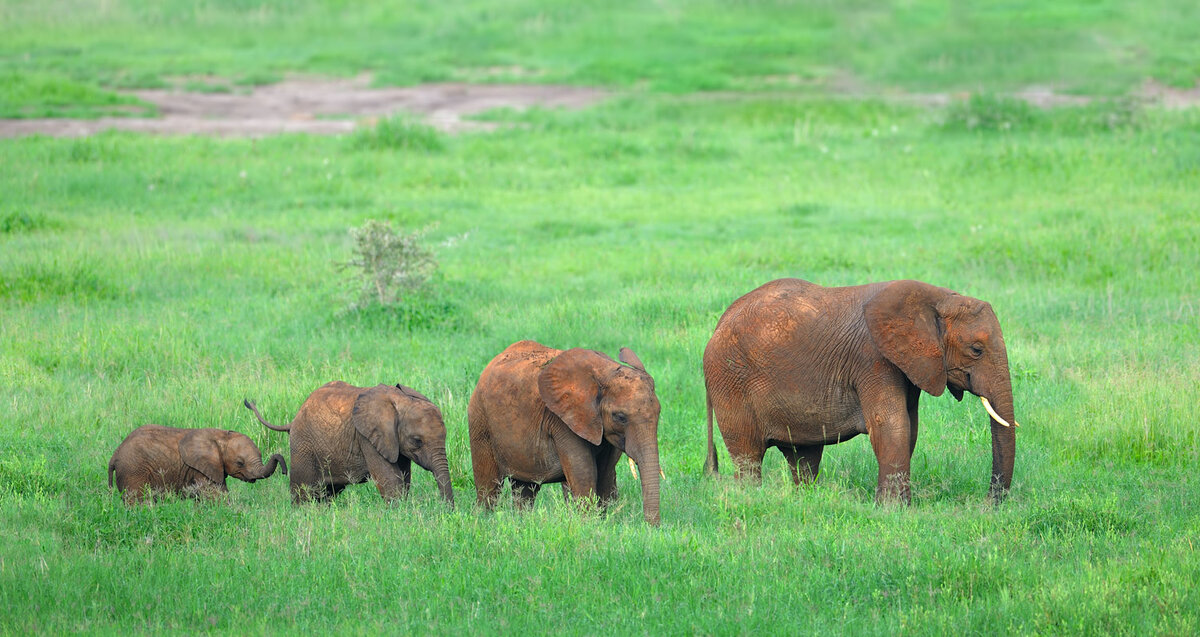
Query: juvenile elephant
[343, 434]
[798, 366]
[543, 415]
[185, 461]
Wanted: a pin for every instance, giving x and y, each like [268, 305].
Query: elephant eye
[416, 441]
[620, 417]
[241, 463]
[976, 350]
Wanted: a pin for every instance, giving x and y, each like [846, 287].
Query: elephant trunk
[647, 460]
[266, 471]
[441, 473]
[1004, 445]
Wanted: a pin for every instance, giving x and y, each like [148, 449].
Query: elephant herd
[791, 364]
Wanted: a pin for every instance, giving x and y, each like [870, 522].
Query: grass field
[147, 279]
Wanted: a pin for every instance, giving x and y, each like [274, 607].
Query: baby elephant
[185, 461]
[543, 415]
[343, 434]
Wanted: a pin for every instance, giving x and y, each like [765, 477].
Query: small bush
[386, 263]
[397, 133]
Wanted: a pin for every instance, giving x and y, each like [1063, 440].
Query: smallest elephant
[185, 461]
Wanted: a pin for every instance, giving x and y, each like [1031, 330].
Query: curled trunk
[267, 470]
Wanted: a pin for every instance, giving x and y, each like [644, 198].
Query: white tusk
[992, 412]
[634, 471]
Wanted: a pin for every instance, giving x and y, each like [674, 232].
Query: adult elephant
[155, 459]
[798, 366]
[343, 434]
[542, 415]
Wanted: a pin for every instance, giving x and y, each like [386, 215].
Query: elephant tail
[710, 461]
[251, 406]
[112, 466]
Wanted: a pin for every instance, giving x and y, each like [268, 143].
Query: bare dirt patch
[334, 106]
[328, 106]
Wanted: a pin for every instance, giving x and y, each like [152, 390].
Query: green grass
[37, 94]
[147, 279]
[1089, 46]
[635, 223]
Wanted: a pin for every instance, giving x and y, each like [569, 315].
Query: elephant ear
[412, 393]
[629, 358]
[903, 321]
[200, 451]
[374, 418]
[570, 387]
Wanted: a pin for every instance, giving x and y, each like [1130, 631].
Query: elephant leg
[606, 475]
[308, 482]
[404, 468]
[745, 445]
[890, 432]
[524, 493]
[319, 492]
[136, 492]
[391, 479]
[747, 459]
[804, 460]
[578, 463]
[914, 396]
[487, 474]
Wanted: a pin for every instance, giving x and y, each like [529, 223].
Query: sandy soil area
[321, 106]
[332, 106]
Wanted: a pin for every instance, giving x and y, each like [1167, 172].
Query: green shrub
[386, 263]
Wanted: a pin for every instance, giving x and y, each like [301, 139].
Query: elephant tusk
[634, 471]
[992, 412]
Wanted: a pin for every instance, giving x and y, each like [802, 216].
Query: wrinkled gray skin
[542, 415]
[344, 434]
[154, 459]
[798, 366]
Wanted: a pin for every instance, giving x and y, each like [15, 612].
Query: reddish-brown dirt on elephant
[542, 415]
[798, 366]
[344, 434]
[154, 459]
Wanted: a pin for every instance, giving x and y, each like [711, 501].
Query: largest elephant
[798, 366]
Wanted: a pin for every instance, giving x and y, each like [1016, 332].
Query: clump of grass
[387, 264]
[200, 86]
[988, 112]
[15, 222]
[56, 278]
[48, 95]
[1108, 115]
[27, 476]
[397, 133]
[258, 78]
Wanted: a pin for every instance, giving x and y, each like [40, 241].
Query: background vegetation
[147, 279]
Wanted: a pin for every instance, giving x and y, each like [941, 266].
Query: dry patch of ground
[332, 106]
[321, 106]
